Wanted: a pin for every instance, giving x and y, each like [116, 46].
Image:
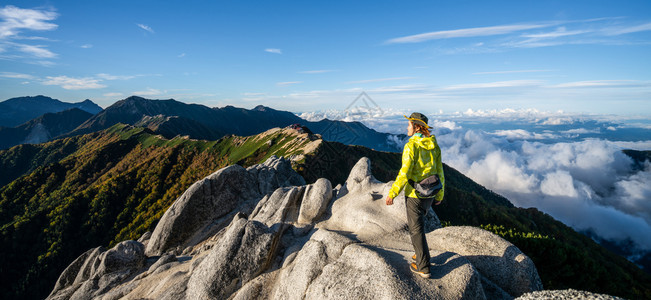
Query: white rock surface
[495, 258]
[288, 240]
[100, 271]
[315, 201]
[209, 204]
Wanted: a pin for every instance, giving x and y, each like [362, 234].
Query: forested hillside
[101, 188]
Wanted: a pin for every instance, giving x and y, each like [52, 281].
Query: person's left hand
[389, 200]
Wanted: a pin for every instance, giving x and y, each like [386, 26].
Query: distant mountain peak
[30, 99]
[135, 98]
[261, 108]
[16, 111]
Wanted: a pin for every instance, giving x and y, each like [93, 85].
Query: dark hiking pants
[416, 211]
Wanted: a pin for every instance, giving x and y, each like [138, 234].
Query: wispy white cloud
[379, 80]
[181, 55]
[43, 63]
[253, 97]
[599, 31]
[33, 38]
[113, 95]
[15, 19]
[70, 83]
[497, 84]
[414, 88]
[603, 83]
[325, 95]
[16, 75]
[104, 76]
[145, 28]
[288, 83]
[627, 29]
[148, 92]
[559, 32]
[510, 72]
[38, 51]
[467, 32]
[273, 50]
[86, 46]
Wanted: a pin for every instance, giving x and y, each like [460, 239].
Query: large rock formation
[262, 232]
[210, 204]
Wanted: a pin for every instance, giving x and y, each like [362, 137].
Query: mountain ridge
[16, 111]
[43, 128]
[230, 120]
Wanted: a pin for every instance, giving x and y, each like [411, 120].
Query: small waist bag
[428, 187]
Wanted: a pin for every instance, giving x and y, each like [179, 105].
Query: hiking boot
[414, 268]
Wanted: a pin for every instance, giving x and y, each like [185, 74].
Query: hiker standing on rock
[421, 175]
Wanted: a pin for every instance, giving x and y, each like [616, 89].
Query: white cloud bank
[588, 184]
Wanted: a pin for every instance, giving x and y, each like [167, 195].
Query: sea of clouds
[569, 166]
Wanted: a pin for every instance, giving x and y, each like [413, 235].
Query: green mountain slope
[101, 188]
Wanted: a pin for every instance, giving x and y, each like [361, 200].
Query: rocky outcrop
[497, 260]
[243, 253]
[316, 200]
[274, 173]
[209, 204]
[263, 233]
[96, 272]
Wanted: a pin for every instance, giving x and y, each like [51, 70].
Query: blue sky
[575, 56]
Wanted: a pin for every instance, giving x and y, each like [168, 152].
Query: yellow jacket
[421, 158]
